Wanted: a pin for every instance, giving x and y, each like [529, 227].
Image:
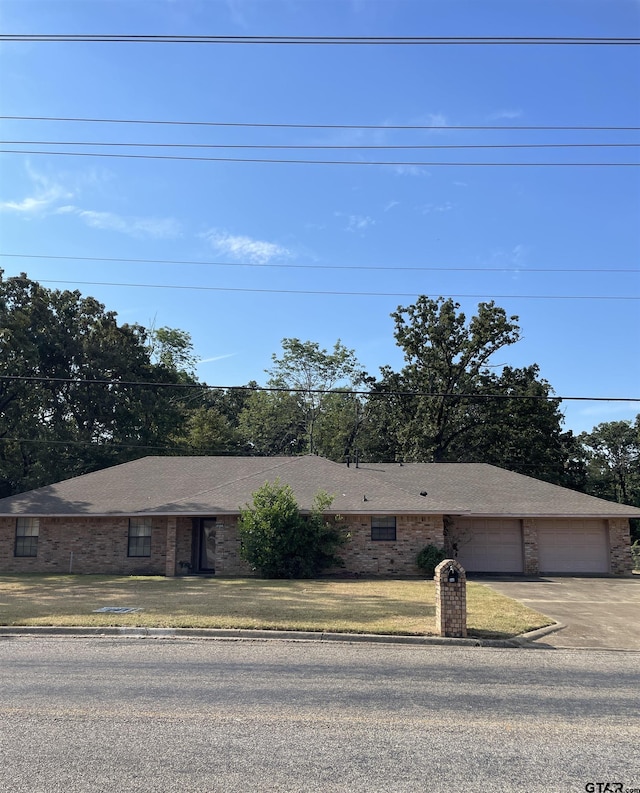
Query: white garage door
[489, 545]
[573, 546]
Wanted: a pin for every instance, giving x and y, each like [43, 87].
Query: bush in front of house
[279, 542]
[635, 555]
[429, 558]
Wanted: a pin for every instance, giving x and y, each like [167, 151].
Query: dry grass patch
[353, 606]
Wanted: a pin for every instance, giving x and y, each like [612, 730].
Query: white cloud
[436, 120]
[245, 248]
[216, 358]
[356, 223]
[505, 114]
[391, 205]
[359, 222]
[426, 209]
[156, 228]
[410, 170]
[519, 254]
[513, 259]
[46, 193]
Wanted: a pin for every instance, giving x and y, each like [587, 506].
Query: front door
[204, 545]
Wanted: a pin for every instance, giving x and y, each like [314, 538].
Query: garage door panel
[573, 546]
[489, 546]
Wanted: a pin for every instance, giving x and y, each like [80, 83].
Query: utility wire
[111, 38]
[288, 390]
[334, 292]
[317, 162]
[380, 127]
[344, 147]
[182, 450]
[320, 266]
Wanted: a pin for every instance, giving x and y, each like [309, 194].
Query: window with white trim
[27, 533]
[139, 537]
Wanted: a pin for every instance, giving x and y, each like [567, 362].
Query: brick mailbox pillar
[451, 599]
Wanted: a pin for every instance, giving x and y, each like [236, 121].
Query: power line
[319, 266]
[342, 147]
[380, 127]
[416, 164]
[243, 449]
[288, 390]
[321, 40]
[333, 292]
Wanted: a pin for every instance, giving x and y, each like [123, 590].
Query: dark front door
[204, 545]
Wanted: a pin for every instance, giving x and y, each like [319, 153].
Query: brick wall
[228, 559]
[184, 532]
[365, 556]
[620, 545]
[530, 543]
[98, 545]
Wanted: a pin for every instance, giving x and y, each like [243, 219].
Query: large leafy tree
[211, 424]
[445, 359]
[55, 421]
[297, 415]
[516, 423]
[613, 455]
[279, 542]
[449, 403]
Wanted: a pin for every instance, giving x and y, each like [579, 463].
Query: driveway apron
[597, 613]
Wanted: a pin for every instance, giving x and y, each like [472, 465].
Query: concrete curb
[255, 635]
[526, 638]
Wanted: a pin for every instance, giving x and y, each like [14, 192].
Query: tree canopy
[69, 399]
[297, 414]
[80, 391]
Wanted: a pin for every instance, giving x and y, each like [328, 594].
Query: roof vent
[423, 493]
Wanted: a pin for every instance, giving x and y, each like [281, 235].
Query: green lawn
[352, 606]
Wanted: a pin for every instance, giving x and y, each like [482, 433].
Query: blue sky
[379, 234]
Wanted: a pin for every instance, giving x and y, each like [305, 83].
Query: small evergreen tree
[279, 542]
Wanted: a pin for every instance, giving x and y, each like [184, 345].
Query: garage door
[489, 545]
[573, 546]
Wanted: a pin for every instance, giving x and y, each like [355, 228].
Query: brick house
[178, 515]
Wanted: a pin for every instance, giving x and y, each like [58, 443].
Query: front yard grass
[400, 607]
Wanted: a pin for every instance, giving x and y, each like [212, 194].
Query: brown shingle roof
[222, 485]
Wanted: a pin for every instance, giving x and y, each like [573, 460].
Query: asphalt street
[212, 715]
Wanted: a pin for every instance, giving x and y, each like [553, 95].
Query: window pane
[140, 546]
[27, 527]
[26, 546]
[139, 537]
[383, 527]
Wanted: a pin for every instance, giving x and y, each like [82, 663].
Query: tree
[173, 349]
[211, 426]
[273, 423]
[516, 423]
[280, 542]
[293, 417]
[449, 404]
[445, 359]
[613, 454]
[69, 398]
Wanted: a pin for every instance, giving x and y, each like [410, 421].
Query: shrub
[635, 555]
[429, 558]
[279, 542]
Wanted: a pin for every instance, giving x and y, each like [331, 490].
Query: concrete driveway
[598, 613]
